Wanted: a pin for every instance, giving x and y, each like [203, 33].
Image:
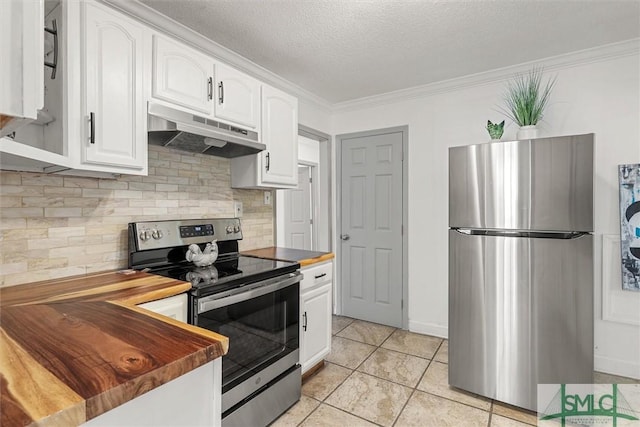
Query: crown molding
[166, 25]
[573, 59]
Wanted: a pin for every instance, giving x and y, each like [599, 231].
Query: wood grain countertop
[74, 348]
[286, 254]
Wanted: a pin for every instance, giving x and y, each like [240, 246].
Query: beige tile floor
[376, 375]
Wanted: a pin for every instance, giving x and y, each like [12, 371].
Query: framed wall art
[629, 178]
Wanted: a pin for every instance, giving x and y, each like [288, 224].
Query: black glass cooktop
[223, 275]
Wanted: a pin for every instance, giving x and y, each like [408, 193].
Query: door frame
[405, 214]
[324, 204]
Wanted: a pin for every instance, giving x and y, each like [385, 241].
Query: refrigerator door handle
[566, 235]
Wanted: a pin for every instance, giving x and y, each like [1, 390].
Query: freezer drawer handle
[527, 234]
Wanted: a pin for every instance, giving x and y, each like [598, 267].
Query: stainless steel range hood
[169, 127]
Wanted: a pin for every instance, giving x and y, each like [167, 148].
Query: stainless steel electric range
[253, 301]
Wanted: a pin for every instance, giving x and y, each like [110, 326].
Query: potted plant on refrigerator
[525, 101]
[495, 130]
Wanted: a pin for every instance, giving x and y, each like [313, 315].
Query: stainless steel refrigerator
[521, 266]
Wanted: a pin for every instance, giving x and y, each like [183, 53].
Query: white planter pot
[527, 132]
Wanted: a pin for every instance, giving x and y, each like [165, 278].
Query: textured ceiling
[347, 49]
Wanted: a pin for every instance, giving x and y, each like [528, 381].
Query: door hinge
[311, 221]
[402, 230]
[401, 303]
[310, 180]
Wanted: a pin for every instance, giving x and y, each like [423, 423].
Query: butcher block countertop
[74, 348]
[285, 254]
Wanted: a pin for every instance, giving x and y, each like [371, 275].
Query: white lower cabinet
[315, 315]
[193, 399]
[174, 307]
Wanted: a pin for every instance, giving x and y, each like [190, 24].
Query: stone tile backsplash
[54, 226]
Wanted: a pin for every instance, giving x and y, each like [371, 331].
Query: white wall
[598, 93]
[314, 115]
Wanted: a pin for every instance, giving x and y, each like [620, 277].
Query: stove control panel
[167, 234]
[196, 230]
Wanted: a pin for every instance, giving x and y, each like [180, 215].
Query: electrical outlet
[237, 209]
[267, 197]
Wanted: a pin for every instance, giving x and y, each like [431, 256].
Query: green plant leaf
[526, 99]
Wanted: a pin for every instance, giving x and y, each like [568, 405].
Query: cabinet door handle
[210, 88]
[321, 275]
[53, 64]
[92, 127]
[221, 92]
[268, 161]
[304, 321]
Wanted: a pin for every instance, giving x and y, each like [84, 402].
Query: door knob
[345, 237]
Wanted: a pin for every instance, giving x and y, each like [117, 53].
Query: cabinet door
[174, 307]
[113, 93]
[22, 53]
[280, 135]
[315, 323]
[237, 97]
[182, 75]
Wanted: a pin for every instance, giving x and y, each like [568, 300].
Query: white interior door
[298, 212]
[371, 228]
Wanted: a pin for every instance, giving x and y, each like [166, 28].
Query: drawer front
[316, 275]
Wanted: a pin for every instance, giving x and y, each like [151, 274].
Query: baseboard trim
[618, 367]
[432, 329]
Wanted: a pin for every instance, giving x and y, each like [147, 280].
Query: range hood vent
[173, 128]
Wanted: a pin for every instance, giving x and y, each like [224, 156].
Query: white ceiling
[342, 50]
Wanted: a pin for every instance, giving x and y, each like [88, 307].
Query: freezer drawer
[520, 313]
[539, 184]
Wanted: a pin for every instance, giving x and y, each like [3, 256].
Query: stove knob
[229, 229]
[236, 229]
[144, 236]
[156, 234]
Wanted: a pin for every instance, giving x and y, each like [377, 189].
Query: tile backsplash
[54, 226]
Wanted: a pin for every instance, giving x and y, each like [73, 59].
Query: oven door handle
[243, 294]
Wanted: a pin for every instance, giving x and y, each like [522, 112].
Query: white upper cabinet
[237, 97]
[114, 105]
[277, 166]
[93, 120]
[280, 135]
[31, 145]
[182, 76]
[22, 53]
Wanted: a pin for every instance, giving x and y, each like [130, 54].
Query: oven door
[262, 323]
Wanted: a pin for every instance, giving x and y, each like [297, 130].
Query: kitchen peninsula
[73, 349]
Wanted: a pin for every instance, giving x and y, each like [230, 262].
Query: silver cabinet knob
[229, 229]
[144, 236]
[156, 234]
[345, 237]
